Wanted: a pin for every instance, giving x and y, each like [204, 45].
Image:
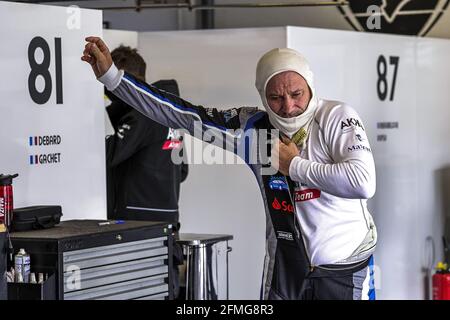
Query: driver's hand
[97, 54]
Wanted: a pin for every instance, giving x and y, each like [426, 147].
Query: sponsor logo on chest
[173, 140]
[283, 206]
[285, 235]
[306, 195]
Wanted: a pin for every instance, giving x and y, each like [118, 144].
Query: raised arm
[163, 107]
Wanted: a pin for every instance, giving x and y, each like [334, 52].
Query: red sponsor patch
[307, 194]
[171, 144]
[283, 206]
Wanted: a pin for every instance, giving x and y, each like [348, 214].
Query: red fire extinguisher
[441, 282]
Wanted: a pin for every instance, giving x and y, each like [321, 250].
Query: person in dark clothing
[143, 183]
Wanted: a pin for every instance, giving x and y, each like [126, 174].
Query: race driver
[320, 234]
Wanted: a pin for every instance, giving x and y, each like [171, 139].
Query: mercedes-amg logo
[410, 17]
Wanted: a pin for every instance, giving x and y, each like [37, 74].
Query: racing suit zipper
[311, 266]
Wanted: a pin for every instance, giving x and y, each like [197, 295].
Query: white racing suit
[320, 235]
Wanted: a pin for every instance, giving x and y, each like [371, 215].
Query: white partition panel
[399, 87]
[115, 38]
[52, 130]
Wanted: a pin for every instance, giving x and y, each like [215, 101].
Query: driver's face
[288, 94]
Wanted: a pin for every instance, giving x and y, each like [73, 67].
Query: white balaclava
[277, 61]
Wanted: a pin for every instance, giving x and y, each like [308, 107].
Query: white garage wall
[115, 38]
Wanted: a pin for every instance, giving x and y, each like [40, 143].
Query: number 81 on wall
[42, 69]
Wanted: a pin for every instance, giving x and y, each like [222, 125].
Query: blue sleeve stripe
[249, 125]
[251, 121]
[170, 104]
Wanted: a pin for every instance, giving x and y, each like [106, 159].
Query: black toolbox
[98, 259]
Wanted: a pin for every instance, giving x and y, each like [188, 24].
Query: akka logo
[172, 134]
[283, 206]
[171, 144]
[174, 140]
[351, 122]
[306, 195]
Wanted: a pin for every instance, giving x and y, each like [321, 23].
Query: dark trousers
[353, 282]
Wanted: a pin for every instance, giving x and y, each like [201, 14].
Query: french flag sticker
[31, 141]
[31, 159]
